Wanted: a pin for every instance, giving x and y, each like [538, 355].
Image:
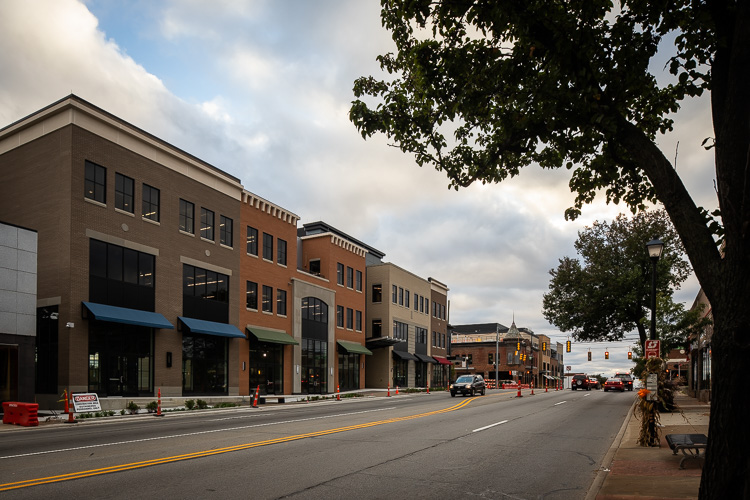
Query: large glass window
[204, 365]
[120, 276]
[150, 203]
[314, 366]
[281, 251]
[124, 191]
[266, 367]
[120, 359]
[267, 246]
[207, 224]
[187, 217]
[252, 295]
[205, 294]
[95, 183]
[252, 241]
[400, 372]
[225, 231]
[400, 330]
[348, 371]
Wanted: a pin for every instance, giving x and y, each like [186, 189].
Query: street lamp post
[654, 248]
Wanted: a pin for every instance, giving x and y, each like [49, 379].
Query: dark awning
[405, 355]
[127, 316]
[442, 361]
[426, 359]
[375, 342]
[211, 328]
[273, 336]
[354, 348]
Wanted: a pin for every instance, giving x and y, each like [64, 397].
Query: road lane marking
[489, 426]
[197, 433]
[560, 403]
[219, 451]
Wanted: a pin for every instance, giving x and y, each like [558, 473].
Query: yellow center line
[218, 451]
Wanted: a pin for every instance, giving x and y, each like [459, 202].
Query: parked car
[614, 384]
[627, 380]
[580, 382]
[468, 384]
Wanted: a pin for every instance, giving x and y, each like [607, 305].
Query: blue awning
[211, 328]
[127, 316]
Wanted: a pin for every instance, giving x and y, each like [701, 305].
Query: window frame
[207, 228]
[150, 209]
[185, 217]
[267, 247]
[281, 254]
[226, 231]
[121, 196]
[267, 299]
[254, 295]
[95, 182]
[252, 246]
[280, 302]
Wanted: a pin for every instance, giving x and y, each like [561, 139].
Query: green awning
[354, 348]
[127, 316]
[211, 328]
[273, 336]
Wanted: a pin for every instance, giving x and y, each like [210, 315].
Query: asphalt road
[549, 446]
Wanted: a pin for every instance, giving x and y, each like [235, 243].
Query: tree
[607, 294]
[567, 84]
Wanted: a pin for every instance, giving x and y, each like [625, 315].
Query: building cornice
[269, 208]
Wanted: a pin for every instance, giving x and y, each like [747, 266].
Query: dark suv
[627, 380]
[468, 384]
[580, 382]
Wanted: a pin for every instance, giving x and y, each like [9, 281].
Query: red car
[614, 384]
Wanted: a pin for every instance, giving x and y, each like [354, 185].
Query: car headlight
[467, 386]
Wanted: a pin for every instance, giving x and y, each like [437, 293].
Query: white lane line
[186, 434]
[488, 426]
[560, 403]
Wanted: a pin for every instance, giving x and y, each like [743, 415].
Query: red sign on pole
[653, 349]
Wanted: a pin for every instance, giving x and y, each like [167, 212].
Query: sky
[262, 89]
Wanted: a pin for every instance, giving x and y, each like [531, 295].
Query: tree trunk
[726, 473]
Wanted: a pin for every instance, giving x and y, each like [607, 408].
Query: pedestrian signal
[589, 355]
[606, 354]
[567, 346]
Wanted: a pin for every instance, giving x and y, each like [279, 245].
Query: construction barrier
[255, 400]
[24, 414]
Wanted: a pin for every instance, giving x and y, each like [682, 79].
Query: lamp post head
[655, 248]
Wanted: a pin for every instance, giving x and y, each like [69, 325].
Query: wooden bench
[692, 446]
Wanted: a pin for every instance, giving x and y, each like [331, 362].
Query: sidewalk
[637, 472]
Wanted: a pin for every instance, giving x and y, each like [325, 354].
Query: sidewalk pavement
[631, 472]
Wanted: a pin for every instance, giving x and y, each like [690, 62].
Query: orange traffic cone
[338, 394]
[389, 390]
[396, 390]
[255, 400]
[158, 405]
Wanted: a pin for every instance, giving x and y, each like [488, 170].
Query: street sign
[653, 349]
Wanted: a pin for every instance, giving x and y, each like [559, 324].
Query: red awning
[442, 361]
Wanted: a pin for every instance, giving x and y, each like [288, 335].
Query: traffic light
[518, 346]
[589, 355]
[544, 346]
[606, 354]
[567, 346]
[630, 355]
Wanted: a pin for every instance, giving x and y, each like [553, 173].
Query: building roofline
[322, 227]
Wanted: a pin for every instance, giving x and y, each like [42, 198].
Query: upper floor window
[349, 318]
[124, 192]
[377, 328]
[225, 231]
[358, 321]
[207, 224]
[349, 277]
[95, 184]
[251, 299]
[400, 296]
[377, 292]
[406, 298]
[150, 203]
[268, 247]
[394, 294]
[420, 335]
[340, 273]
[314, 309]
[416, 302]
[267, 299]
[205, 284]
[400, 330]
[187, 217]
[358, 281]
[281, 251]
[281, 302]
[252, 241]
[340, 316]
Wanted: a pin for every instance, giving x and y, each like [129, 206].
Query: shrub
[189, 404]
[152, 407]
[202, 405]
[133, 408]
